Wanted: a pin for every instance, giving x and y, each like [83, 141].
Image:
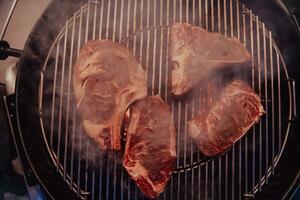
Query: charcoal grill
[61, 152]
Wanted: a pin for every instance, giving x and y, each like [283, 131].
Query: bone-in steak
[195, 53]
[150, 153]
[232, 115]
[107, 79]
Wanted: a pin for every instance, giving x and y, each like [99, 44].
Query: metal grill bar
[73, 148]
[95, 20]
[87, 142]
[122, 189]
[272, 99]
[219, 178]
[231, 18]
[94, 157]
[226, 176]
[185, 144]
[253, 85]
[108, 18]
[100, 179]
[172, 178]
[185, 126]
[128, 193]
[141, 28]
[244, 30]
[212, 178]
[206, 14]
[128, 15]
[225, 17]
[259, 93]
[279, 99]
[114, 177]
[121, 21]
[107, 179]
[74, 106]
[53, 95]
[86, 166]
[167, 53]
[93, 177]
[219, 17]
[68, 95]
[61, 97]
[193, 14]
[180, 11]
[87, 21]
[187, 11]
[174, 11]
[266, 102]
[79, 161]
[206, 179]
[134, 27]
[148, 35]
[115, 20]
[212, 15]
[166, 84]
[193, 112]
[161, 49]
[232, 170]
[154, 48]
[229, 168]
[101, 20]
[240, 142]
[178, 144]
[238, 19]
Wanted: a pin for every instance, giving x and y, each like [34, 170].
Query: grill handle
[293, 82]
[6, 51]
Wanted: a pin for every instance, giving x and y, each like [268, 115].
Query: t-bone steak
[150, 152]
[232, 115]
[107, 79]
[195, 53]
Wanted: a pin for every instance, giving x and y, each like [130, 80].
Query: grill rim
[22, 99]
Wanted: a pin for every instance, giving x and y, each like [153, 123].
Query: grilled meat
[107, 79]
[236, 111]
[150, 153]
[195, 53]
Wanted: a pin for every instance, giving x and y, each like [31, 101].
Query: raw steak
[150, 154]
[107, 79]
[195, 53]
[232, 115]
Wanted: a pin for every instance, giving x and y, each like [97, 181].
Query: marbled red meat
[150, 153]
[230, 117]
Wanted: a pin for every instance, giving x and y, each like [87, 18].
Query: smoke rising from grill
[79, 36]
[197, 100]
